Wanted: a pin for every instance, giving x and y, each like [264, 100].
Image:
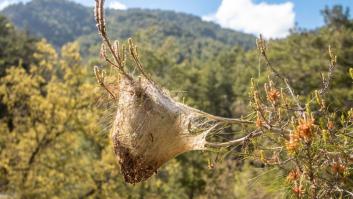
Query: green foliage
[302, 55]
[337, 16]
[45, 139]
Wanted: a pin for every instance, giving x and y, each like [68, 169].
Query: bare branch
[99, 16]
[135, 56]
[332, 66]
[234, 142]
[100, 75]
[261, 45]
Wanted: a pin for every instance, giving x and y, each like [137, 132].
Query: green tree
[48, 140]
[337, 16]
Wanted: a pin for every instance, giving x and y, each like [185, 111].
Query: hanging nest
[150, 127]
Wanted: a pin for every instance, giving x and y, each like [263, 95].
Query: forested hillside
[55, 122]
[62, 21]
[57, 21]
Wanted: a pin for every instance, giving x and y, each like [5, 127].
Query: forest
[56, 119]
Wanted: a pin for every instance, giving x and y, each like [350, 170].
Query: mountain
[62, 21]
[59, 21]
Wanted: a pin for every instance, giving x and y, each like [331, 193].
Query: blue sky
[307, 11]
[273, 17]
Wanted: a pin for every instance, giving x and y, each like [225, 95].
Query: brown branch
[331, 68]
[100, 19]
[100, 79]
[134, 54]
[237, 141]
[261, 44]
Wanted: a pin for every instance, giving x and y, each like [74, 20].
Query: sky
[272, 18]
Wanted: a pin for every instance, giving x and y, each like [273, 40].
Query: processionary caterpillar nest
[150, 127]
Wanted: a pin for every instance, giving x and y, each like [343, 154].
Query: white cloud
[117, 5]
[271, 20]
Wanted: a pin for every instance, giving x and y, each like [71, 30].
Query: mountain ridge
[62, 21]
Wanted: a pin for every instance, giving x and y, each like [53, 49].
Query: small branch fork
[114, 50]
[100, 75]
[118, 54]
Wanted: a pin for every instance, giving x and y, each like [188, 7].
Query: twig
[237, 141]
[100, 79]
[331, 68]
[261, 44]
[134, 54]
[99, 16]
